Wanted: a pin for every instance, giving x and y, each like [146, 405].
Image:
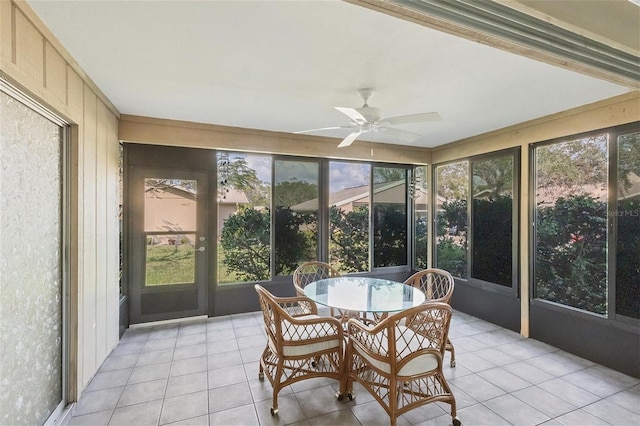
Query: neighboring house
[358, 196]
[173, 208]
[229, 204]
[169, 208]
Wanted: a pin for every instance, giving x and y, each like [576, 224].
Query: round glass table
[364, 294]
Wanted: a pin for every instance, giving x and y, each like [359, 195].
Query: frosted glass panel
[30, 271]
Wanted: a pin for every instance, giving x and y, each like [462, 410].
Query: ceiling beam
[506, 28]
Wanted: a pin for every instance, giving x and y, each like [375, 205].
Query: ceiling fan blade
[349, 139]
[320, 129]
[353, 114]
[411, 118]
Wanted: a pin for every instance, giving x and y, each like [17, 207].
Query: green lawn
[170, 264]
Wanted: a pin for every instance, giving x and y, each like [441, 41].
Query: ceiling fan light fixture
[368, 119]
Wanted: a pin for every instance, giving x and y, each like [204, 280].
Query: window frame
[515, 154]
[611, 317]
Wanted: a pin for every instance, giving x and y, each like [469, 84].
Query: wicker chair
[399, 360]
[300, 344]
[309, 272]
[312, 271]
[437, 285]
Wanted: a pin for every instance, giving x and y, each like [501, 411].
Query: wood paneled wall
[33, 60]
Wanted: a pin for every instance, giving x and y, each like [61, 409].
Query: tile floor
[205, 372]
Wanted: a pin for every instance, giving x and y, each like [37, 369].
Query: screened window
[296, 204]
[244, 217]
[452, 183]
[349, 199]
[477, 241]
[571, 223]
[389, 216]
[627, 214]
[492, 220]
[418, 192]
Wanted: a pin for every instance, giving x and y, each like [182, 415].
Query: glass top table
[364, 294]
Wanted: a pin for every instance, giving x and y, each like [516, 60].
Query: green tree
[493, 240]
[571, 260]
[350, 238]
[453, 217]
[570, 165]
[628, 160]
[493, 178]
[421, 243]
[293, 246]
[245, 239]
[388, 174]
[451, 257]
[389, 235]
[453, 181]
[237, 174]
[294, 192]
[628, 259]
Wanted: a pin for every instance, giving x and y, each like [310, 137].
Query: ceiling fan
[368, 119]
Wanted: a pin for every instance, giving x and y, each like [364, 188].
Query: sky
[342, 174]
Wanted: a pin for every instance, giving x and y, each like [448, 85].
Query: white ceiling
[283, 65]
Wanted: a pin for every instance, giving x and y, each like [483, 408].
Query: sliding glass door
[32, 295]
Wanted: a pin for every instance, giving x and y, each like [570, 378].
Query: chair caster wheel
[457, 422]
[274, 411]
[339, 396]
[452, 364]
[351, 396]
[313, 364]
[261, 376]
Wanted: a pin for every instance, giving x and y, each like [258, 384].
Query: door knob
[200, 249]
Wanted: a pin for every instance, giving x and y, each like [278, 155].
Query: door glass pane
[492, 210]
[244, 217]
[30, 265]
[452, 186]
[628, 217]
[170, 259]
[349, 200]
[170, 219]
[296, 209]
[389, 216]
[571, 223]
[169, 205]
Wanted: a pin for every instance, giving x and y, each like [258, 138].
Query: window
[452, 183]
[478, 241]
[349, 195]
[296, 204]
[418, 192]
[571, 229]
[351, 214]
[492, 220]
[627, 214]
[389, 216]
[244, 217]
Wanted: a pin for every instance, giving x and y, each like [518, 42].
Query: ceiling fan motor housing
[371, 114]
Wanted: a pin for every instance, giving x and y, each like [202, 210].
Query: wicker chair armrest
[297, 305]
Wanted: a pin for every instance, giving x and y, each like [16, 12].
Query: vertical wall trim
[525, 260]
[13, 35]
